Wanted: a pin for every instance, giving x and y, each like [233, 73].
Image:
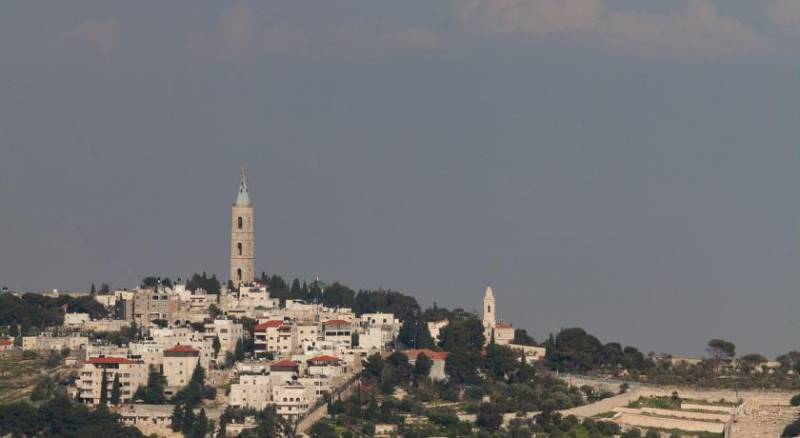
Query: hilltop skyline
[644, 189]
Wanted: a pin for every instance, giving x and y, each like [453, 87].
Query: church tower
[489, 319]
[243, 237]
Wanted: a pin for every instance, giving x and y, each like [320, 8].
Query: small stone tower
[489, 319]
[243, 237]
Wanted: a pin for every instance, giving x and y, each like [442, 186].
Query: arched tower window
[488, 308]
[239, 273]
[239, 246]
[240, 222]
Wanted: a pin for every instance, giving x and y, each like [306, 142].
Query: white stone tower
[489, 319]
[243, 237]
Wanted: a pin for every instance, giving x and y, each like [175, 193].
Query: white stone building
[179, 364]
[228, 332]
[54, 342]
[435, 328]
[438, 359]
[338, 331]
[502, 332]
[252, 391]
[132, 374]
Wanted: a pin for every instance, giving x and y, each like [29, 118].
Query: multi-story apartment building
[179, 364]
[228, 332]
[276, 337]
[252, 391]
[151, 304]
[292, 399]
[149, 352]
[338, 331]
[132, 374]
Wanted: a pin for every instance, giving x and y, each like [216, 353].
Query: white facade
[131, 375]
[54, 342]
[75, 320]
[151, 353]
[489, 317]
[228, 332]
[252, 391]
[179, 364]
[435, 328]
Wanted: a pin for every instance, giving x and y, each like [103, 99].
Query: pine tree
[115, 390]
[104, 389]
[93, 290]
[294, 292]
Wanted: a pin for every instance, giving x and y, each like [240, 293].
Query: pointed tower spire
[243, 197]
[243, 237]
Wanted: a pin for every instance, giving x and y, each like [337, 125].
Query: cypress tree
[177, 418]
[103, 389]
[115, 390]
[200, 426]
[239, 351]
[216, 345]
[188, 419]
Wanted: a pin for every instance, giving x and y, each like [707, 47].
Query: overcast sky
[628, 166]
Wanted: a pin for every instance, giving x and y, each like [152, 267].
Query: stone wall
[646, 421]
[696, 407]
[319, 412]
[688, 415]
[605, 405]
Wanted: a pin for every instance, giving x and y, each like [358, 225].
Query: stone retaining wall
[688, 415]
[640, 420]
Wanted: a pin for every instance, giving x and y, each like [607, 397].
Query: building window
[240, 222]
[239, 273]
[239, 247]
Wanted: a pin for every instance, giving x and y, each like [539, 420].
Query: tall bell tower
[489, 311]
[243, 237]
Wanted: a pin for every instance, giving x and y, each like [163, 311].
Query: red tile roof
[286, 363]
[336, 322]
[503, 325]
[182, 349]
[6, 342]
[109, 361]
[433, 355]
[321, 360]
[269, 324]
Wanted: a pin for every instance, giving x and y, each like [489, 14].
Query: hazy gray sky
[628, 166]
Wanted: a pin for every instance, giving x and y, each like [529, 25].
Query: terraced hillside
[19, 375]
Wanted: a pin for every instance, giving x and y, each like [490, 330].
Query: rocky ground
[764, 421]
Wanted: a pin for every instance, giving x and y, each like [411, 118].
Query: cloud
[535, 17]
[101, 35]
[242, 34]
[235, 34]
[785, 14]
[697, 31]
[414, 38]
